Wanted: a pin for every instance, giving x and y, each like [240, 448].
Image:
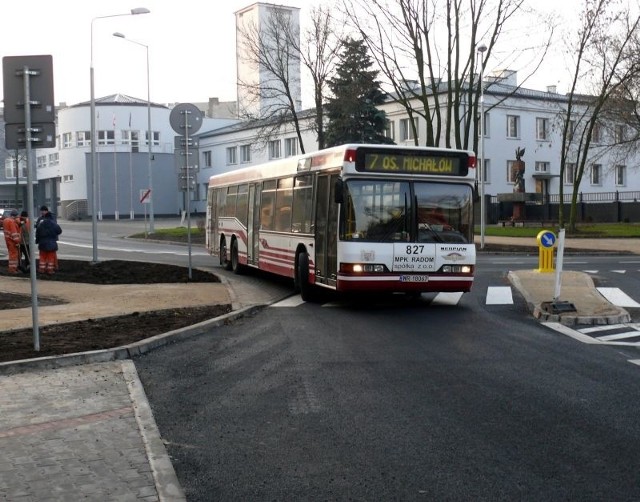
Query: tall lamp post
[481, 172]
[94, 185]
[149, 132]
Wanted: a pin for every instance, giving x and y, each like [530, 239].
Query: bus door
[253, 224]
[326, 260]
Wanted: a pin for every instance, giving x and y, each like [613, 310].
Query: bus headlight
[359, 268]
[456, 269]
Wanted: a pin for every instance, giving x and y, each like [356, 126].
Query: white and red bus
[353, 218]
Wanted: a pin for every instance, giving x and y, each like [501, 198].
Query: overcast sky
[191, 45]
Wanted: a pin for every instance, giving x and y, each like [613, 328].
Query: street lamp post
[481, 172]
[94, 185]
[149, 132]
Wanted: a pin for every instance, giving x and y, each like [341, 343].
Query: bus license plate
[414, 278]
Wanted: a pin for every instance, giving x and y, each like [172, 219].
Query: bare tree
[319, 52]
[275, 50]
[270, 95]
[427, 51]
[607, 66]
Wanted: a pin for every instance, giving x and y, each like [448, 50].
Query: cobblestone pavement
[83, 432]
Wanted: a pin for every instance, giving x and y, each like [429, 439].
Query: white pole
[481, 171]
[559, 262]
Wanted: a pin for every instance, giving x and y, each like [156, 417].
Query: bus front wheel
[307, 290]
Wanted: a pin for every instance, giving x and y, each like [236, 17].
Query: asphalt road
[393, 400]
[396, 401]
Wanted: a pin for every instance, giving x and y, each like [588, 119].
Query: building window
[406, 131]
[232, 155]
[542, 167]
[513, 126]
[571, 129]
[66, 140]
[207, 158]
[596, 135]
[67, 178]
[487, 125]
[390, 130]
[569, 173]
[83, 138]
[54, 159]
[542, 129]
[131, 138]
[41, 161]
[290, 147]
[596, 174]
[621, 176]
[106, 137]
[511, 172]
[620, 133]
[155, 135]
[245, 153]
[486, 171]
[274, 149]
[10, 168]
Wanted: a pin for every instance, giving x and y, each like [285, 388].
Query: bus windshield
[390, 211]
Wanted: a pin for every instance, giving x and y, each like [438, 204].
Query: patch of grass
[605, 230]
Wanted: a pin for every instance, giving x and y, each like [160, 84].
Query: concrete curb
[124, 351]
[164, 475]
[610, 314]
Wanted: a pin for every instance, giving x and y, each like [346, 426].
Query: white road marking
[447, 299]
[565, 330]
[591, 271]
[604, 327]
[292, 301]
[618, 297]
[634, 361]
[499, 295]
[619, 271]
[620, 336]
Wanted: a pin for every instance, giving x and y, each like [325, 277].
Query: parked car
[3, 214]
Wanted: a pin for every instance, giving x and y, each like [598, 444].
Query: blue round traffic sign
[546, 239]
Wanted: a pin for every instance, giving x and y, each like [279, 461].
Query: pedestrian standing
[25, 230]
[12, 239]
[45, 213]
[47, 233]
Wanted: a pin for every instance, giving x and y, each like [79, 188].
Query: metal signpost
[29, 114]
[186, 119]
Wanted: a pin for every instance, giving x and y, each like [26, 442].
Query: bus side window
[302, 204]
[268, 204]
[284, 197]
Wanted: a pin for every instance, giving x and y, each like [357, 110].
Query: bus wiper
[435, 234]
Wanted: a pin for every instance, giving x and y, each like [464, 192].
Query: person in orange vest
[25, 229]
[12, 238]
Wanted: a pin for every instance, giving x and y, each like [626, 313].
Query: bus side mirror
[339, 192]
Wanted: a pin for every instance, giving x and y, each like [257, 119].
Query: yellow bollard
[546, 242]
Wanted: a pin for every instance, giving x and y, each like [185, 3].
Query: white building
[514, 118]
[123, 162]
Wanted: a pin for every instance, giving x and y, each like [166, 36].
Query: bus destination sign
[413, 163]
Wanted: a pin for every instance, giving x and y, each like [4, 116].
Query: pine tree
[352, 111]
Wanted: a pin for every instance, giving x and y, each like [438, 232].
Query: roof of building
[119, 100]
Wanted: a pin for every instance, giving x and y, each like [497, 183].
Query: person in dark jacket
[47, 233]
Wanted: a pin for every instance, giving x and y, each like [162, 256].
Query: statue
[518, 174]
